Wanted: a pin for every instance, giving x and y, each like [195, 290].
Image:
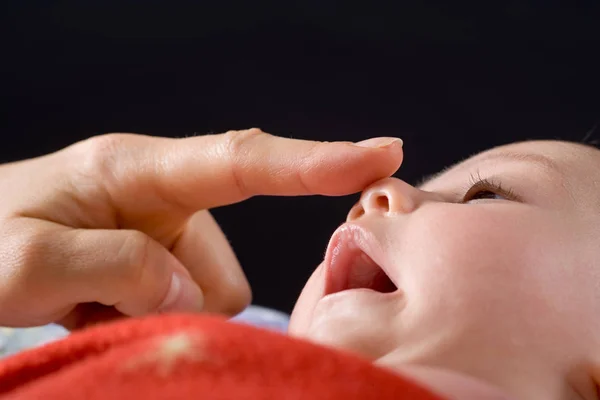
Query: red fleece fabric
[195, 357]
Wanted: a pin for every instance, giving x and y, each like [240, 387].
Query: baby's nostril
[382, 202]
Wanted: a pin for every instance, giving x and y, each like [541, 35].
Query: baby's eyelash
[479, 184]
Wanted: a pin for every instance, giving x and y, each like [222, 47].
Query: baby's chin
[328, 323]
[446, 382]
[449, 384]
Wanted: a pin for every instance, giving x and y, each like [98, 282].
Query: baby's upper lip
[365, 241]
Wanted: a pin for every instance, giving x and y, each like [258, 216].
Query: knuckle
[25, 251]
[309, 163]
[105, 146]
[238, 145]
[303, 182]
[99, 154]
[239, 142]
[100, 167]
[133, 254]
[28, 251]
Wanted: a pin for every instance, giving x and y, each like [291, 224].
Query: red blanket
[194, 357]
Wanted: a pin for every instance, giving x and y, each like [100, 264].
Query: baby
[482, 283]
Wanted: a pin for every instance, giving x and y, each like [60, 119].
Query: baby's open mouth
[349, 265]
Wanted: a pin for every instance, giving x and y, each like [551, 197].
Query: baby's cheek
[308, 299]
[466, 260]
[484, 277]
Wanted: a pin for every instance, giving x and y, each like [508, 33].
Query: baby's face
[495, 276]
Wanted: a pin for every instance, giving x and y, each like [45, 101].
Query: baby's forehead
[572, 160]
[562, 152]
[575, 163]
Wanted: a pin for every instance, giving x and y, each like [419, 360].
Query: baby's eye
[484, 195]
[484, 189]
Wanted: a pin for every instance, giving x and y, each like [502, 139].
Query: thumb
[122, 268]
[132, 272]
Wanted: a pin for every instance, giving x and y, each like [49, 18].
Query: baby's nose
[387, 196]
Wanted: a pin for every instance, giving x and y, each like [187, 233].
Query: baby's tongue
[365, 273]
[362, 273]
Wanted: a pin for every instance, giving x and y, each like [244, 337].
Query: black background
[449, 78]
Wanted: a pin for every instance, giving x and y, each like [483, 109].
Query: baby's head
[495, 276]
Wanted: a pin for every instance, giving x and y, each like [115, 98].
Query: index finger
[215, 170]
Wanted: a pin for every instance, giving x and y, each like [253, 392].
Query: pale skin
[119, 224]
[498, 288]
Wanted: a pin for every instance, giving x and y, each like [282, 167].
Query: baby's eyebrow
[539, 159]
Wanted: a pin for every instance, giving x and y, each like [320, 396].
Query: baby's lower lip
[362, 294]
[350, 267]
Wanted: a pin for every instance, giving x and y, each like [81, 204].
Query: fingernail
[379, 142]
[183, 295]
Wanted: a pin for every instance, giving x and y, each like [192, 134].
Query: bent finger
[132, 272]
[205, 252]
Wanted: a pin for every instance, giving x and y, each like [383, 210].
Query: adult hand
[118, 224]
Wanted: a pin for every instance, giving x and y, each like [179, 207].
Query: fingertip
[381, 143]
[385, 152]
[365, 162]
